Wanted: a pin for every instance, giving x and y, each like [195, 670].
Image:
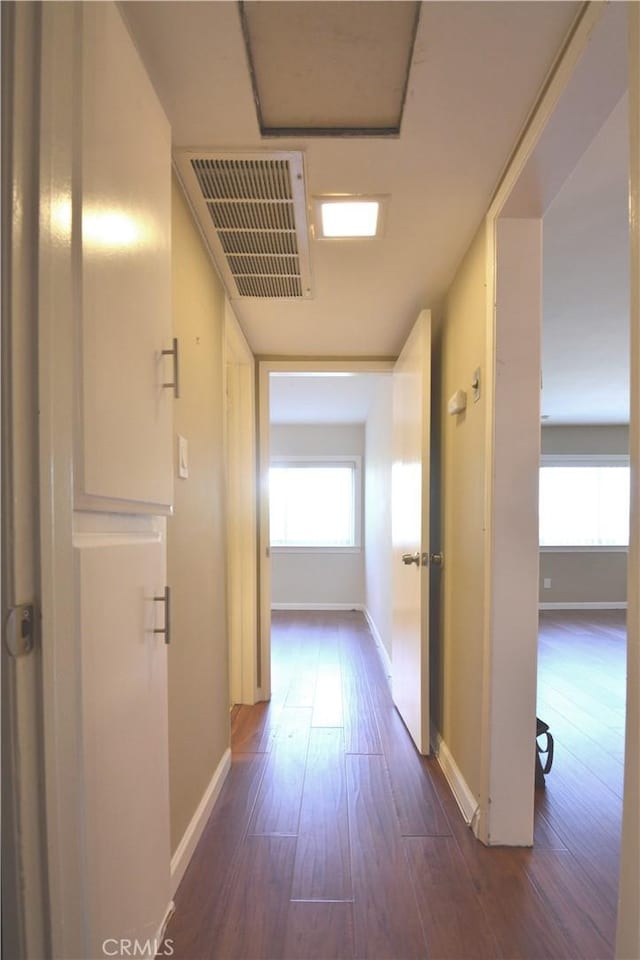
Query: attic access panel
[251, 208]
[330, 69]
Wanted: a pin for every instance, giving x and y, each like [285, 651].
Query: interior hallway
[332, 838]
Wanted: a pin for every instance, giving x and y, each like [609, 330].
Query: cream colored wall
[598, 577]
[377, 515]
[460, 347]
[579, 577]
[596, 439]
[198, 655]
[312, 577]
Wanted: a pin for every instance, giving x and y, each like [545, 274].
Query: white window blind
[314, 503]
[584, 504]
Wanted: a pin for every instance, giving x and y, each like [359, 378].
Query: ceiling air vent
[252, 210]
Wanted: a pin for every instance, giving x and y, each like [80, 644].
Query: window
[315, 503]
[584, 502]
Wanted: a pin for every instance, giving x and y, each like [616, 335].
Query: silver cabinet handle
[175, 383]
[409, 558]
[166, 630]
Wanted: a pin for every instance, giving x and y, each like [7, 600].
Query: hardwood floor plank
[289, 632]
[573, 899]
[250, 918]
[327, 707]
[277, 807]
[253, 728]
[208, 872]
[544, 836]
[387, 922]
[454, 923]
[587, 817]
[322, 867]
[516, 914]
[303, 654]
[361, 733]
[594, 754]
[319, 931]
[314, 852]
[416, 802]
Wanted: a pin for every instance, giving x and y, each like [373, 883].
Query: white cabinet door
[124, 736]
[124, 457]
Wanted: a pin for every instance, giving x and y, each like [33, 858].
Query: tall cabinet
[119, 215]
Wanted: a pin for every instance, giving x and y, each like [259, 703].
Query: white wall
[377, 512]
[317, 578]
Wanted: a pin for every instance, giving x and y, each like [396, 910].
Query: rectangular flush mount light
[348, 217]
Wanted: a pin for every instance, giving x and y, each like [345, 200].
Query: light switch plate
[183, 457]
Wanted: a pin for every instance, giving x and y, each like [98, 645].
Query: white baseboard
[592, 605]
[169, 912]
[459, 786]
[317, 606]
[382, 650]
[182, 856]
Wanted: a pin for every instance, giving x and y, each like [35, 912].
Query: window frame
[324, 460]
[584, 460]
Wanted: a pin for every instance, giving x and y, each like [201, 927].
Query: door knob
[409, 558]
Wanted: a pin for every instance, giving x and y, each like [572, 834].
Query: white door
[107, 479]
[410, 531]
[124, 454]
[124, 735]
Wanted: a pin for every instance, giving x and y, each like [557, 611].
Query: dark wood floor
[332, 838]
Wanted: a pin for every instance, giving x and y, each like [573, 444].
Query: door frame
[581, 80]
[25, 921]
[265, 367]
[57, 313]
[240, 459]
[628, 926]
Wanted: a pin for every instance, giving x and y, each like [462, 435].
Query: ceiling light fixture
[344, 216]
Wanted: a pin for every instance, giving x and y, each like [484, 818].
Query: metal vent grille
[255, 211]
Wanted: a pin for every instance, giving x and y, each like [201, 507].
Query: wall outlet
[546, 583]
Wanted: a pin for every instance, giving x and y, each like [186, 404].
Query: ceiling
[476, 70]
[361, 49]
[322, 398]
[475, 73]
[585, 339]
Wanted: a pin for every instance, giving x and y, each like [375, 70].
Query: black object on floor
[542, 730]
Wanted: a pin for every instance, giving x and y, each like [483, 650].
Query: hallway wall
[198, 655]
[308, 578]
[460, 348]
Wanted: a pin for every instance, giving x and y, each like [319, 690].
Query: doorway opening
[584, 498]
[325, 548]
[376, 560]
[566, 123]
